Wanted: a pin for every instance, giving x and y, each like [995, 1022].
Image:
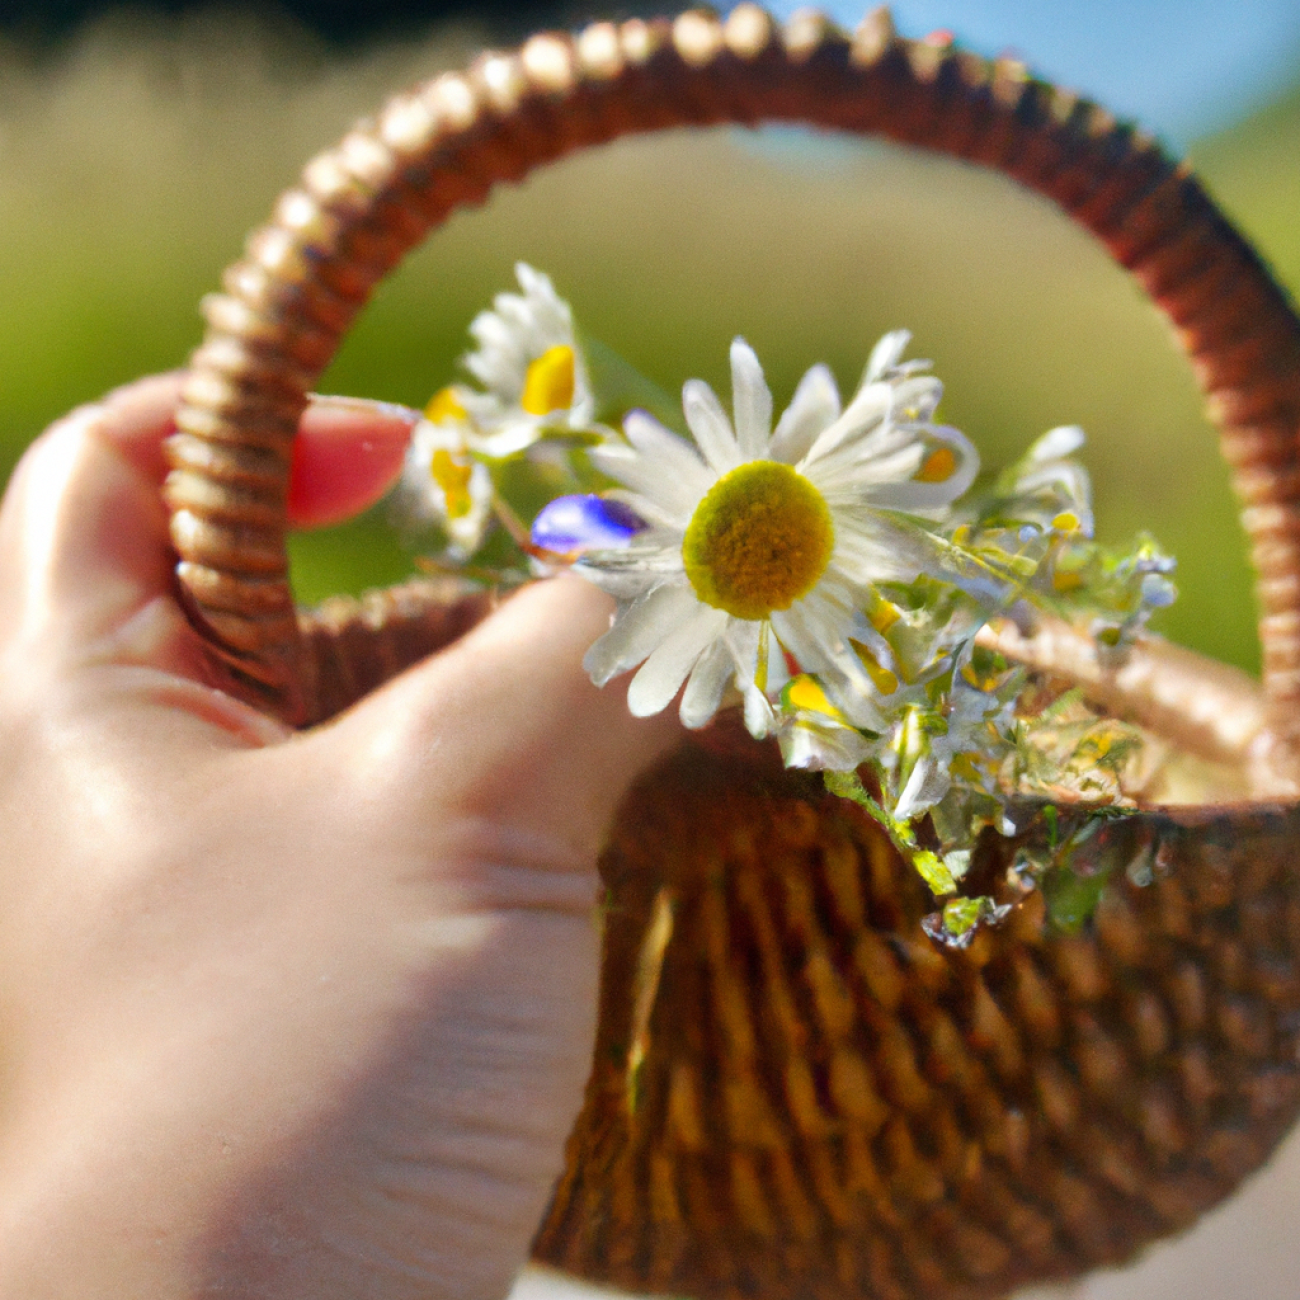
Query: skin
[282, 1014]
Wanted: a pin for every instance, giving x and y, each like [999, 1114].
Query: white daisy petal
[519, 315]
[708, 422]
[886, 355]
[675, 493]
[675, 457]
[927, 784]
[813, 409]
[751, 402]
[879, 547]
[633, 569]
[499, 352]
[639, 630]
[913, 494]
[866, 413]
[847, 475]
[866, 448]
[654, 551]
[535, 283]
[760, 717]
[792, 630]
[662, 674]
[742, 637]
[651, 511]
[820, 649]
[827, 620]
[704, 687]
[1057, 444]
[917, 398]
[583, 410]
[778, 672]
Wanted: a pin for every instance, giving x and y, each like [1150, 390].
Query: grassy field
[131, 166]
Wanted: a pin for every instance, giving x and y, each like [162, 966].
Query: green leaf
[961, 914]
[934, 872]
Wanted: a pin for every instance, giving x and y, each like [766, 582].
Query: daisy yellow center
[453, 478]
[445, 407]
[548, 383]
[758, 541]
[939, 466]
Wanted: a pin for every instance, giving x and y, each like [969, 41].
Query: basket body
[798, 1093]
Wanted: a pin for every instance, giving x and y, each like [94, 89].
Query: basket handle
[361, 206]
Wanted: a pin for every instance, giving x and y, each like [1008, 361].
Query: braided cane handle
[362, 205]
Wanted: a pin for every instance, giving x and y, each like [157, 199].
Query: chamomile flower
[763, 544]
[531, 368]
[534, 382]
[823, 572]
[442, 484]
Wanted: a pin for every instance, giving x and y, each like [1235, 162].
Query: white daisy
[530, 365]
[442, 483]
[764, 543]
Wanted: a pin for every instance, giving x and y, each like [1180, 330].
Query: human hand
[281, 1014]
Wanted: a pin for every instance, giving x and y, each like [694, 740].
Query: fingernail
[367, 406]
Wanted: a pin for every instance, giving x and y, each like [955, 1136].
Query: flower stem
[928, 865]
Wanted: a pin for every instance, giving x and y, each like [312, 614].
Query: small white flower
[531, 367]
[442, 484]
[765, 542]
[534, 382]
[814, 734]
[1049, 487]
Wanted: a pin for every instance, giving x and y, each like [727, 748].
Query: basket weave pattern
[832, 1106]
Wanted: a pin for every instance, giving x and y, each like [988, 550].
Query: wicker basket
[795, 1092]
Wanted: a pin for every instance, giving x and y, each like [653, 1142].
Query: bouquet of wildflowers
[830, 571]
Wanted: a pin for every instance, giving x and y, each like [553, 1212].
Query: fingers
[86, 574]
[82, 528]
[136, 418]
[506, 727]
[347, 454]
[83, 533]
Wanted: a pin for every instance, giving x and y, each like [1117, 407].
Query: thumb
[507, 729]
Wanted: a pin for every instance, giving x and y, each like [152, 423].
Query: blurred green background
[134, 159]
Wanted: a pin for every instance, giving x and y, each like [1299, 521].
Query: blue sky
[1181, 67]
